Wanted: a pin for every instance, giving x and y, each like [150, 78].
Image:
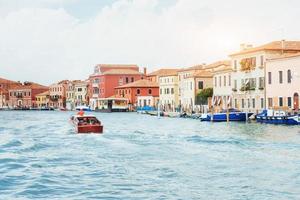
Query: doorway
[296, 101]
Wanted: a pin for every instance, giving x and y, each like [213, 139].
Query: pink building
[24, 95]
[58, 94]
[283, 82]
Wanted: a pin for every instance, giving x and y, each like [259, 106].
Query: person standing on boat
[81, 112]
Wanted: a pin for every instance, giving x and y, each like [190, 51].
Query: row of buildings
[254, 78]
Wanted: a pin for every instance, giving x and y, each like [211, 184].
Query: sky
[50, 40]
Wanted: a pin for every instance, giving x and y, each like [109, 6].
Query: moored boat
[84, 108]
[278, 117]
[86, 124]
[233, 115]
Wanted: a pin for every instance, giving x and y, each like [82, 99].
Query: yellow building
[42, 99]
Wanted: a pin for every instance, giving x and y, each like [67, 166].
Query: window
[270, 102]
[138, 91]
[261, 61]
[253, 103]
[261, 82]
[149, 91]
[172, 90]
[127, 79]
[269, 77]
[215, 81]
[280, 77]
[235, 103]
[168, 91]
[200, 85]
[229, 80]
[289, 76]
[289, 101]
[248, 103]
[243, 103]
[160, 91]
[261, 102]
[235, 64]
[280, 101]
[224, 80]
[235, 84]
[79, 89]
[132, 79]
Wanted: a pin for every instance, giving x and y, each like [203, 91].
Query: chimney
[145, 71]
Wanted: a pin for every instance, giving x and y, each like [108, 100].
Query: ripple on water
[143, 157]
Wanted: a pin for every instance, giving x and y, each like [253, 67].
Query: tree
[203, 95]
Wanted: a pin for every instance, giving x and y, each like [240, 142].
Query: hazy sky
[49, 40]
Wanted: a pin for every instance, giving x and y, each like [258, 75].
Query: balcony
[19, 96]
[54, 98]
[245, 88]
[95, 85]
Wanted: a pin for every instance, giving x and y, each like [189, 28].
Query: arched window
[149, 91]
[138, 91]
[289, 76]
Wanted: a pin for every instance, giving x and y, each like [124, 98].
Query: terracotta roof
[223, 69]
[217, 64]
[163, 72]
[275, 46]
[140, 83]
[28, 85]
[2, 90]
[122, 71]
[44, 93]
[285, 56]
[204, 74]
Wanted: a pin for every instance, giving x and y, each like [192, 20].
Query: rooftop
[121, 71]
[44, 93]
[118, 65]
[272, 46]
[28, 85]
[217, 64]
[164, 72]
[195, 67]
[202, 74]
[140, 83]
[285, 56]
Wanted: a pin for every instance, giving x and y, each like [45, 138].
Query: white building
[222, 85]
[249, 72]
[168, 90]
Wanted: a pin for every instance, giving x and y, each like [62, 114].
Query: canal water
[145, 157]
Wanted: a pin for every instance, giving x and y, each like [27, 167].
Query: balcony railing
[247, 88]
[19, 95]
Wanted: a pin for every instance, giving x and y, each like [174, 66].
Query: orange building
[139, 93]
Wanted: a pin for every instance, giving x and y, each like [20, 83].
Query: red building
[108, 76]
[4, 86]
[24, 95]
[139, 93]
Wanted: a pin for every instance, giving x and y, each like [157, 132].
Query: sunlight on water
[144, 157]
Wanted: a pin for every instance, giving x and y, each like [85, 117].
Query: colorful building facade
[283, 82]
[249, 72]
[24, 96]
[138, 89]
[107, 77]
[58, 94]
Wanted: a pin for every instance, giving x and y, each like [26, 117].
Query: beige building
[168, 90]
[248, 74]
[191, 81]
[42, 99]
[80, 93]
[222, 85]
[154, 76]
[58, 94]
[283, 82]
[70, 96]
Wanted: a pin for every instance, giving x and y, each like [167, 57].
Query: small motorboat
[84, 108]
[234, 115]
[86, 124]
[278, 117]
